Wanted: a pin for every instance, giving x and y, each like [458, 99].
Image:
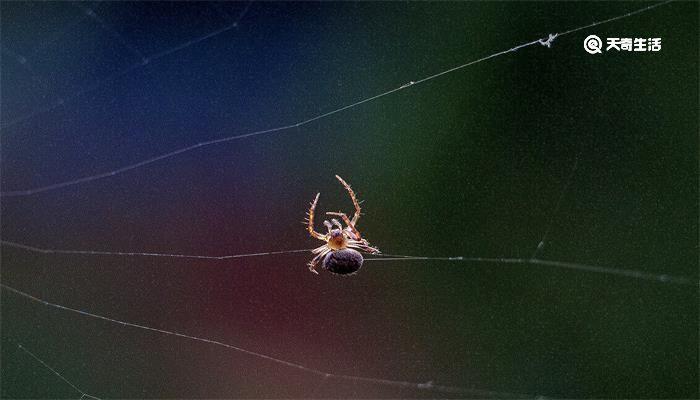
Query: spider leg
[310, 219]
[349, 223]
[356, 203]
[328, 225]
[337, 223]
[363, 245]
[320, 252]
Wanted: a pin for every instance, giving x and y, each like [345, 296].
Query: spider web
[528, 148]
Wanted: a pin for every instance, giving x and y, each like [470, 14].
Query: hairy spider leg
[356, 242]
[328, 225]
[320, 252]
[337, 223]
[310, 219]
[349, 223]
[356, 203]
[363, 245]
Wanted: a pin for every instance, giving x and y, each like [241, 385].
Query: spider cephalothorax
[339, 254]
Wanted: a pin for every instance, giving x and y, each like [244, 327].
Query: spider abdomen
[343, 262]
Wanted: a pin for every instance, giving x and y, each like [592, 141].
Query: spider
[338, 254]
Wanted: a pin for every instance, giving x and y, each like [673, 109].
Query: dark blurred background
[471, 163]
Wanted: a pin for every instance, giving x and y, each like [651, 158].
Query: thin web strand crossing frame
[629, 273]
[547, 42]
[429, 385]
